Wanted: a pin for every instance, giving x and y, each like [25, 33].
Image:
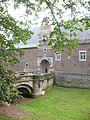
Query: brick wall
[73, 64]
[64, 65]
[29, 57]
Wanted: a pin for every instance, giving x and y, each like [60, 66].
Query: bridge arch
[25, 89]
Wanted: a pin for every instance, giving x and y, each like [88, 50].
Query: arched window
[26, 65]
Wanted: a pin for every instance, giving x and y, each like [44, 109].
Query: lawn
[59, 104]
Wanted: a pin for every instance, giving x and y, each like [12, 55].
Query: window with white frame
[58, 56]
[82, 55]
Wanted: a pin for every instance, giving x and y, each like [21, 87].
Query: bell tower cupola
[44, 59]
[45, 30]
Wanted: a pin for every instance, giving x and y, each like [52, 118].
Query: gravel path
[13, 110]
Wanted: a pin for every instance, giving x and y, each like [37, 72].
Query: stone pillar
[36, 86]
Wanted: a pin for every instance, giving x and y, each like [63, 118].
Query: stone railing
[38, 82]
[24, 78]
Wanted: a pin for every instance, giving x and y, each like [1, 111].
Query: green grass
[2, 117]
[59, 104]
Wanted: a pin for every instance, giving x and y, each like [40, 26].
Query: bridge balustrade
[37, 83]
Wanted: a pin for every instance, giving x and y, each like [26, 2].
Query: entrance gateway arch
[45, 64]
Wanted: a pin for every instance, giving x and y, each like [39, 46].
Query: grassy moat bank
[58, 103]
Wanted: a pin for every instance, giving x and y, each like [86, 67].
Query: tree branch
[49, 5]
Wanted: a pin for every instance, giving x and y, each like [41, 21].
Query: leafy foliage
[11, 33]
[8, 92]
[65, 26]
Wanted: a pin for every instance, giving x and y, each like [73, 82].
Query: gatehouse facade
[43, 59]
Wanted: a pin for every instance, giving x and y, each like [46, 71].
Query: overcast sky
[19, 14]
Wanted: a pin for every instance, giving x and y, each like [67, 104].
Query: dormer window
[44, 38]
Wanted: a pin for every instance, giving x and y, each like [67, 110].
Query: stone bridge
[34, 85]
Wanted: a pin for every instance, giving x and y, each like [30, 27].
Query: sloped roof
[33, 42]
[84, 36]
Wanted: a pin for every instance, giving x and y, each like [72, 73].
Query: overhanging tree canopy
[69, 15]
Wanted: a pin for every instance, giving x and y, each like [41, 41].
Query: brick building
[41, 58]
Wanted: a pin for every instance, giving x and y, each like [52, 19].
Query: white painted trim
[47, 47]
[56, 56]
[44, 49]
[80, 55]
